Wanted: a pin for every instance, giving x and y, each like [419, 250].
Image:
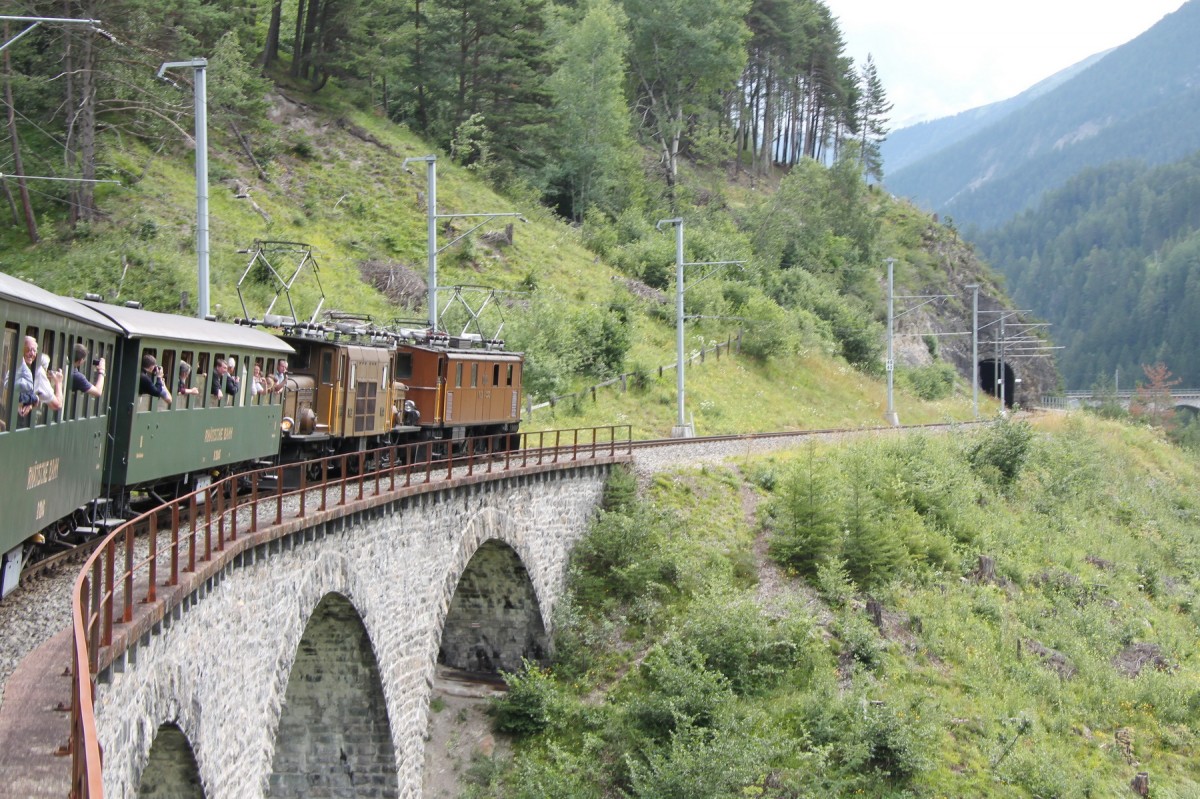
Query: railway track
[53, 564]
[797, 434]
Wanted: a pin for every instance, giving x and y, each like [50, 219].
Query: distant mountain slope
[1140, 101]
[1112, 260]
[909, 145]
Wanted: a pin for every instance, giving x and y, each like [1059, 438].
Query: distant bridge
[1180, 398]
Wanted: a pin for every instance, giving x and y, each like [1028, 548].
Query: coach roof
[18, 290]
[138, 323]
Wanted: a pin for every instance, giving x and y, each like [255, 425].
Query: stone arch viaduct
[304, 665]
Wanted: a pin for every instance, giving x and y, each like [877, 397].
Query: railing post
[208, 514]
[97, 609]
[152, 586]
[343, 463]
[192, 534]
[110, 567]
[254, 501]
[221, 517]
[127, 578]
[362, 477]
[174, 543]
[234, 487]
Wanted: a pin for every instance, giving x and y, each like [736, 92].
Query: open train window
[42, 413]
[496, 374]
[147, 402]
[168, 363]
[218, 382]
[474, 375]
[510, 375]
[8, 367]
[458, 375]
[203, 371]
[185, 382]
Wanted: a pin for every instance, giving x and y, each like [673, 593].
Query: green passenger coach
[214, 422]
[52, 458]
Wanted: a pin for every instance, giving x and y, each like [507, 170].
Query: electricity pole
[431, 219]
[200, 101]
[682, 429]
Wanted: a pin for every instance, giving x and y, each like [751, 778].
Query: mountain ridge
[1102, 113]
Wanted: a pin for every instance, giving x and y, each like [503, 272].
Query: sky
[939, 57]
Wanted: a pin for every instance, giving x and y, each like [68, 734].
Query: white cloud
[939, 57]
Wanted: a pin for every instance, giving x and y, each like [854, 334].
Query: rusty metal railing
[199, 528]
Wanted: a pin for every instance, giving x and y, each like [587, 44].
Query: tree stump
[1141, 784]
[875, 611]
[985, 572]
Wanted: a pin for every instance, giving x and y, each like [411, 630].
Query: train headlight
[287, 424]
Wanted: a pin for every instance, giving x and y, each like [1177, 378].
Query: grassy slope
[352, 202]
[1096, 546]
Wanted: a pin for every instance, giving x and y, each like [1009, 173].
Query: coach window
[75, 403]
[201, 379]
[38, 415]
[8, 362]
[510, 373]
[458, 374]
[185, 380]
[170, 368]
[145, 402]
[496, 375]
[235, 397]
[217, 383]
[42, 414]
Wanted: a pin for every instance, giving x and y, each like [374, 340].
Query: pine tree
[873, 108]
[808, 517]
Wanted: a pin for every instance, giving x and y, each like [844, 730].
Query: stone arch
[494, 620]
[334, 736]
[171, 771]
[492, 609]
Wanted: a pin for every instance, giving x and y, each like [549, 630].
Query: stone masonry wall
[218, 667]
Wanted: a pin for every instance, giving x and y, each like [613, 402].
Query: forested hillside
[595, 121]
[1140, 101]
[1112, 259]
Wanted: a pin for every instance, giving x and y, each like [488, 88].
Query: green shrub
[930, 383]
[807, 516]
[620, 490]
[860, 640]
[1001, 451]
[677, 690]
[701, 764]
[621, 559]
[528, 705]
[737, 640]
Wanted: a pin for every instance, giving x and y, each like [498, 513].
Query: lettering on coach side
[218, 434]
[42, 473]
